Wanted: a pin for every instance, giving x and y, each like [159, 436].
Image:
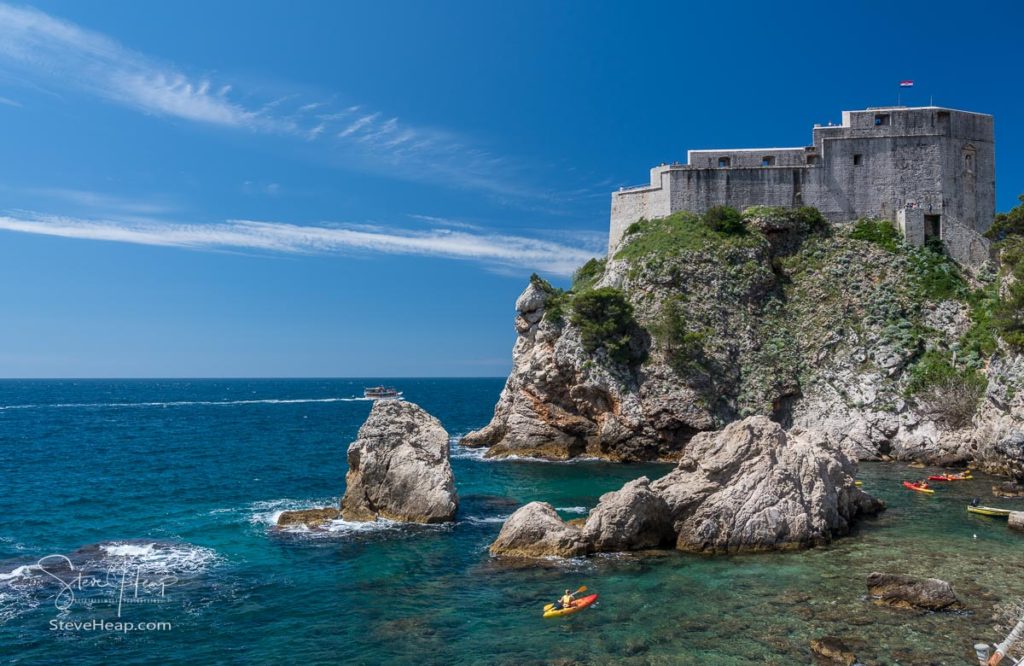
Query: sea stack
[399, 468]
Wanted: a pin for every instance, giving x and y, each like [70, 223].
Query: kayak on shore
[577, 606]
[964, 476]
[919, 487]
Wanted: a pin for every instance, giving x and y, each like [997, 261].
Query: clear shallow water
[184, 479]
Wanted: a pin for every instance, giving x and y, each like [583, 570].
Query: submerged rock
[833, 650]
[399, 468]
[313, 518]
[536, 530]
[752, 486]
[632, 518]
[901, 591]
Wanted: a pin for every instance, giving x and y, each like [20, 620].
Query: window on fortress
[813, 159]
[768, 160]
[882, 119]
[858, 160]
[723, 162]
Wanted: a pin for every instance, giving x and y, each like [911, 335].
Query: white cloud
[497, 250]
[9, 102]
[45, 49]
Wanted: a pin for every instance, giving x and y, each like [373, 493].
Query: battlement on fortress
[931, 169]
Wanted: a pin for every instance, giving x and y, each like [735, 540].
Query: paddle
[583, 588]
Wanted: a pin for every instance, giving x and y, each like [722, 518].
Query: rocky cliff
[693, 323]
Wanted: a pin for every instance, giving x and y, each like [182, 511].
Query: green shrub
[680, 232]
[879, 232]
[811, 218]
[588, 274]
[947, 394]
[605, 319]
[1008, 224]
[684, 349]
[980, 339]
[938, 278]
[724, 219]
[557, 301]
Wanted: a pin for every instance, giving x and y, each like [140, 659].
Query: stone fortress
[929, 169]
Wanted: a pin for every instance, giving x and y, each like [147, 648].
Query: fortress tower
[930, 169]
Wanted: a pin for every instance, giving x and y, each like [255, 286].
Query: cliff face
[840, 329]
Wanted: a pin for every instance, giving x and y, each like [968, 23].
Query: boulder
[902, 591]
[312, 518]
[536, 530]
[1016, 521]
[399, 468]
[752, 487]
[1008, 489]
[632, 518]
[833, 650]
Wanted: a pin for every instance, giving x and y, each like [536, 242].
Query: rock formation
[908, 592]
[535, 530]
[820, 327]
[749, 487]
[632, 518]
[753, 486]
[399, 467]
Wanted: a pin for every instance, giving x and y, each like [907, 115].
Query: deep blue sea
[153, 501]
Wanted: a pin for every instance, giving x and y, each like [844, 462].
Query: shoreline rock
[750, 487]
[753, 487]
[1015, 521]
[534, 531]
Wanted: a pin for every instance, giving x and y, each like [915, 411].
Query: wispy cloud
[43, 49]
[494, 250]
[9, 102]
[99, 201]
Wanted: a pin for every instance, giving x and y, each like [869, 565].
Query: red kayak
[577, 606]
[921, 488]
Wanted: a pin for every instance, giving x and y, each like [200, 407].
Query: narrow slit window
[723, 162]
[768, 160]
[858, 160]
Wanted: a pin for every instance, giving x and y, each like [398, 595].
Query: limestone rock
[536, 530]
[1016, 521]
[399, 467]
[833, 650]
[312, 518]
[909, 592]
[752, 486]
[632, 518]
[1008, 489]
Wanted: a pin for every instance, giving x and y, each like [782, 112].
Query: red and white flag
[906, 84]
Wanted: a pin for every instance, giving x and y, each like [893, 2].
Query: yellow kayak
[989, 511]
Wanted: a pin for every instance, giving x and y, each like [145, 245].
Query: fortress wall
[889, 173]
[751, 157]
[631, 205]
[700, 189]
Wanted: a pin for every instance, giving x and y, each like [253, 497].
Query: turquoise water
[184, 478]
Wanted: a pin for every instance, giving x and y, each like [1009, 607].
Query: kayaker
[566, 600]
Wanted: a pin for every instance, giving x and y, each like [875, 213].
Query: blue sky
[362, 189]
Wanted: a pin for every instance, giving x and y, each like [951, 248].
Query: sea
[137, 526]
